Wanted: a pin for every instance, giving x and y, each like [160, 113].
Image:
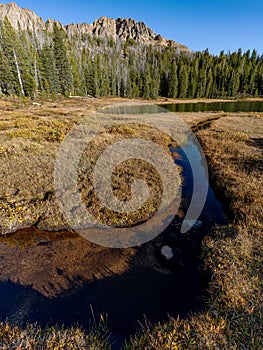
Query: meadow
[231, 255]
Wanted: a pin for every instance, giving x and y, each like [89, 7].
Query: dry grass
[123, 175]
[53, 338]
[231, 255]
[30, 138]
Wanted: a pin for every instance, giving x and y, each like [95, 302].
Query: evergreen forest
[94, 66]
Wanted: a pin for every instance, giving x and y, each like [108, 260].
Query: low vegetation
[231, 255]
[34, 337]
[30, 139]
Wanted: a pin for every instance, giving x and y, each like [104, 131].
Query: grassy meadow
[231, 256]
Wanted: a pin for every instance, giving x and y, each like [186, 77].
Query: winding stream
[148, 287]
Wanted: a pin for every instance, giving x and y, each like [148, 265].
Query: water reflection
[54, 262]
[231, 107]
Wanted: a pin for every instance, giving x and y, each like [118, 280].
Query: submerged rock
[167, 252]
[193, 224]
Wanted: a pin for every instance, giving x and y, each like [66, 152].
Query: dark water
[149, 288]
[126, 299]
[243, 106]
[133, 109]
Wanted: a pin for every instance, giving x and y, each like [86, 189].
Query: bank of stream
[150, 287]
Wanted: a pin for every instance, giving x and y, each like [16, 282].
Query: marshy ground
[231, 255]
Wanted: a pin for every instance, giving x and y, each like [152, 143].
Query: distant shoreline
[113, 99]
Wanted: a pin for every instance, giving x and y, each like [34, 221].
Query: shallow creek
[59, 277]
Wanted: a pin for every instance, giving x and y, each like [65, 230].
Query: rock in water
[193, 223]
[167, 252]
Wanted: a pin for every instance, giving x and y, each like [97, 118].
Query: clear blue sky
[216, 25]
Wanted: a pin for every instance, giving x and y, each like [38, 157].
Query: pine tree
[62, 61]
[88, 65]
[183, 81]
[10, 47]
[50, 71]
[173, 82]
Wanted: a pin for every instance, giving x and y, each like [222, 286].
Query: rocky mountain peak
[104, 26]
[21, 18]
[138, 31]
[119, 29]
[12, 4]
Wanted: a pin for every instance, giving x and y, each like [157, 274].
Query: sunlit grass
[231, 255]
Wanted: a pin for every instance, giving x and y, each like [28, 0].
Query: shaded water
[148, 288]
[232, 106]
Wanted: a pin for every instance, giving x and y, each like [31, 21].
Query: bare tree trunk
[19, 74]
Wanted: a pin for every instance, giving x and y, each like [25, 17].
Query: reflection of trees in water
[52, 262]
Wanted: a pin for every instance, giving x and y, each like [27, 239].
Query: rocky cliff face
[21, 18]
[119, 29]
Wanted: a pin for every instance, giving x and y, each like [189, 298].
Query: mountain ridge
[119, 29]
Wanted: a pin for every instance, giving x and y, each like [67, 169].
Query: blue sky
[216, 25]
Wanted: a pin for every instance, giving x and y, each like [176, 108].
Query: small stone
[167, 252]
[193, 223]
[13, 191]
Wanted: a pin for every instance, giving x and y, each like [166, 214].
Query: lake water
[231, 106]
[147, 288]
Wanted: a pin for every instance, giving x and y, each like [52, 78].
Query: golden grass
[53, 338]
[30, 138]
[231, 255]
[123, 175]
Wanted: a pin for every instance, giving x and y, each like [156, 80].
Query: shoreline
[113, 99]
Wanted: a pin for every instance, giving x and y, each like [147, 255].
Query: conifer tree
[62, 60]
[173, 82]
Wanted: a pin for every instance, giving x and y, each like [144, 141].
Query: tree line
[84, 65]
